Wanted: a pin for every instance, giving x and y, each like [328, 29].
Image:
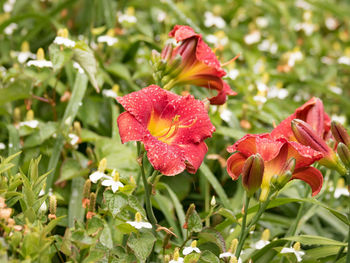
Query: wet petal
[311, 176]
[194, 155]
[129, 128]
[235, 165]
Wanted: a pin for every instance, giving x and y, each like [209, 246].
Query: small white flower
[178, 260]
[331, 23]
[327, 60]
[298, 254]
[233, 74]
[192, 248]
[267, 45]
[43, 206]
[2, 146]
[109, 93]
[126, 18]
[275, 92]
[161, 16]
[10, 28]
[73, 138]
[229, 255]
[344, 60]
[211, 20]
[262, 22]
[307, 27]
[261, 243]
[138, 223]
[294, 57]
[77, 66]
[261, 86]
[8, 6]
[109, 40]
[40, 63]
[341, 191]
[24, 56]
[32, 124]
[226, 115]
[252, 38]
[335, 89]
[303, 5]
[96, 176]
[216, 40]
[113, 181]
[64, 41]
[259, 98]
[339, 118]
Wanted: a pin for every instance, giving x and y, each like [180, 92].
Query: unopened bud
[233, 246]
[63, 32]
[17, 115]
[167, 52]
[176, 254]
[252, 173]
[40, 54]
[30, 115]
[53, 205]
[155, 56]
[116, 88]
[194, 243]
[265, 235]
[92, 202]
[25, 46]
[189, 212]
[102, 165]
[77, 128]
[340, 134]
[296, 246]
[138, 217]
[87, 188]
[213, 201]
[344, 154]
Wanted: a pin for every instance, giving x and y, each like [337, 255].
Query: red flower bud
[252, 173]
[340, 134]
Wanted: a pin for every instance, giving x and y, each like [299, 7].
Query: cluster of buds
[5, 216]
[284, 176]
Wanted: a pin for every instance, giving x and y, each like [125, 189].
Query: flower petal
[194, 155]
[187, 250]
[129, 128]
[168, 159]
[142, 103]
[235, 165]
[311, 176]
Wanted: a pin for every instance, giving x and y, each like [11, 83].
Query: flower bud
[213, 201]
[252, 173]
[40, 54]
[167, 52]
[155, 56]
[344, 154]
[92, 202]
[30, 115]
[340, 134]
[233, 246]
[280, 180]
[52, 208]
[102, 165]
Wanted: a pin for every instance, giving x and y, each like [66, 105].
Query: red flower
[312, 112]
[276, 154]
[199, 65]
[172, 127]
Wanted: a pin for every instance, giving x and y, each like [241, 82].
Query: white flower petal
[261, 243]
[341, 191]
[226, 255]
[64, 41]
[187, 250]
[94, 177]
[109, 93]
[2, 146]
[107, 39]
[40, 63]
[107, 182]
[179, 260]
[32, 124]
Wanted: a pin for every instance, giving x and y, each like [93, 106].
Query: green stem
[244, 230]
[149, 209]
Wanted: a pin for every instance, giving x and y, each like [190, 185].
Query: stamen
[231, 60]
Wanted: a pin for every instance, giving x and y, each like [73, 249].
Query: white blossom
[126, 18]
[335, 89]
[331, 23]
[233, 74]
[109, 40]
[267, 45]
[307, 27]
[110, 93]
[178, 260]
[10, 28]
[294, 57]
[2, 146]
[252, 38]
[112, 181]
[261, 243]
[138, 223]
[40, 63]
[339, 118]
[275, 92]
[73, 138]
[77, 66]
[161, 16]
[23, 56]
[344, 60]
[32, 124]
[298, 254]
[64, 41]
[96, 176]
[226, 115]
[211, 20]
[192, 248]
[262, 22]
[303, 5]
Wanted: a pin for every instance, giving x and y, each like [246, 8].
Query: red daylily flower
[312, 112]
[199, 65]
[172, 127]
[276, 154]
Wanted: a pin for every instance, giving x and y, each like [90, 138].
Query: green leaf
[86, 59]
[192, 258]
[194, 223]
[59, 57]
[315, 240]
[135, 205]
[322, 252]
[215, 184]
[19, 89]
[106, 237]
[115, 201]
[75, 208]
[141, 244]
[208, 257]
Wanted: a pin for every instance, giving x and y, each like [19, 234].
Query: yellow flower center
[40, 54]
[138, 217]
[296, 246]
[194, 244]
[115, 176]
[165, 129]
[265, 235]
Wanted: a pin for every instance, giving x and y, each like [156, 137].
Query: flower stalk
[244, 230]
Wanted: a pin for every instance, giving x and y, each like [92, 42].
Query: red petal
[168, 159]
[194, 155]
[141, 103]
[312, 176]
[284, 129]
[129, 128]
[195, 125]
[235, 165]
[304, 155]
